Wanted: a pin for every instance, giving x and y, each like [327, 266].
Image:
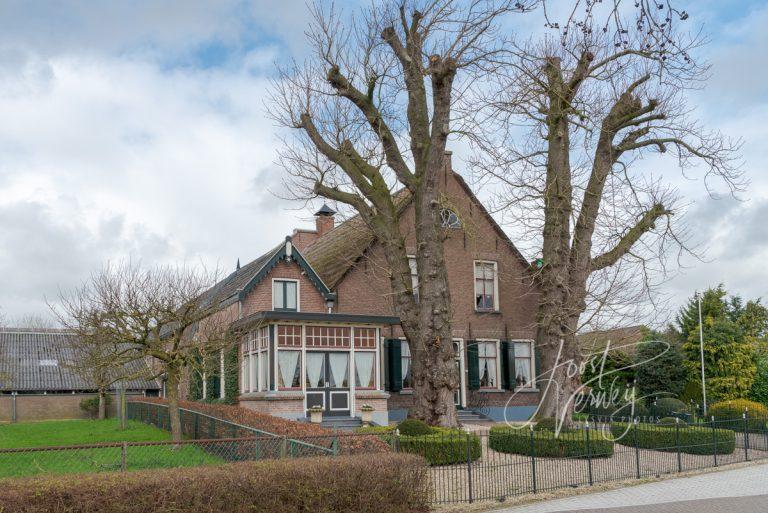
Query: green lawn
[82, 432]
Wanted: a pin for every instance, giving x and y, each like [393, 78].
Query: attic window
[49, 363]
[449, 219]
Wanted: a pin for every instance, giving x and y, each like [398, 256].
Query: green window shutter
[393, 349]
[508, 380]
[473, 366]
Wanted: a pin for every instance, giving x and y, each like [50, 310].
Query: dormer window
[285, 295]
[449, 219]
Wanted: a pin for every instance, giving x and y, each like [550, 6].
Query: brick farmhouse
[317, 327]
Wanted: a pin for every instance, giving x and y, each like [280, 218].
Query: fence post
[746, 434]
[283, 446]
[124, 457]
[469, 467]
[637, 448]
[335, 446]
[677, 443]
[396, 440]
[714, 440]
[533, 459]
[197, 426]
[159, 417]
[589, 453]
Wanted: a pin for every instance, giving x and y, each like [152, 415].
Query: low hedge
[389, 483]
[443, 446]
[566, 444]
[693, 440]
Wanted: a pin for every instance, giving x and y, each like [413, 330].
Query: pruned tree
[98, 358]
[164, 314]
[567, 130]
[370, 112]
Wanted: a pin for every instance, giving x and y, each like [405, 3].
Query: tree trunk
[172, 392]
[560, 359]
[102, 404]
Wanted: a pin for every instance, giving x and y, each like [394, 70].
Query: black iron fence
[465, 466]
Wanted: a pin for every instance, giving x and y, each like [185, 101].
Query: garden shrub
[442, 446]
[616, 412]
[667, 407]
[693, 439]
[414, 427]
[729, 415]
[568, 444]
[670, 422]
[376, 430]
[90, 405]
[389, 483]
[549, 423]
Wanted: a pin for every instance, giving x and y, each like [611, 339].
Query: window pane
[339, 375]
[405, 365]
[254, 372]
[487, 372]
[264, 367]
[522, 349]
[522, 371]
[244, 384]
[288, 369]
[365, 376]
[278, 299]
[290, 295]
[315, 370]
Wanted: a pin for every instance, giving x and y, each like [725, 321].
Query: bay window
[365, 369]
[288, 369]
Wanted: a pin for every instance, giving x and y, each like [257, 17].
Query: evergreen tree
[728, 359]
[661, 369]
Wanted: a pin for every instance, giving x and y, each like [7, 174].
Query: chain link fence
[477, 465]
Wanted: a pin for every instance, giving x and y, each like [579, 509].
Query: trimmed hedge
[693, 440]
[443, 446]
[667, 407]
[568, 444]
[389, 483]
[729, 415]
[414, 427]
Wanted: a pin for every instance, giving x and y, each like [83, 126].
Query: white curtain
[244, 386]
[264, 366]
[339, 369]
[523, 371]
[254, 372]
[287, 362]
[315, 363]
[364, 375]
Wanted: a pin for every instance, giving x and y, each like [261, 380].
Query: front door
[327, 379]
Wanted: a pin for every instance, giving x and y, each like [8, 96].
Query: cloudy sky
[137, 129]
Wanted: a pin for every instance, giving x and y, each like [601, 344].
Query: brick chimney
[324, 220]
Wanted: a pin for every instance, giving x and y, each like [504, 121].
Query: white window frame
[414, 276]
[298, 293]
[497, 342]
[495, 285]
[531, 344]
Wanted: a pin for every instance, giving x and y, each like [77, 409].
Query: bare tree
[372, 110]
[33, 321]
[163, 314]
[567, 129]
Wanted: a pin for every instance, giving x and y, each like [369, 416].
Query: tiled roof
[235, 282]
[335, 252]
[624, 339]
[36, 360]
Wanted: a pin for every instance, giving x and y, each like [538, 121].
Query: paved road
[743, 490]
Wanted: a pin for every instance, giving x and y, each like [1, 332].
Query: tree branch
[645, 224]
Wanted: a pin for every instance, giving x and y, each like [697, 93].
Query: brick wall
[35, 407]
[260, 298]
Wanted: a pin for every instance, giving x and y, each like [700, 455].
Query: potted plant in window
[367, 411]
[316, 414]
